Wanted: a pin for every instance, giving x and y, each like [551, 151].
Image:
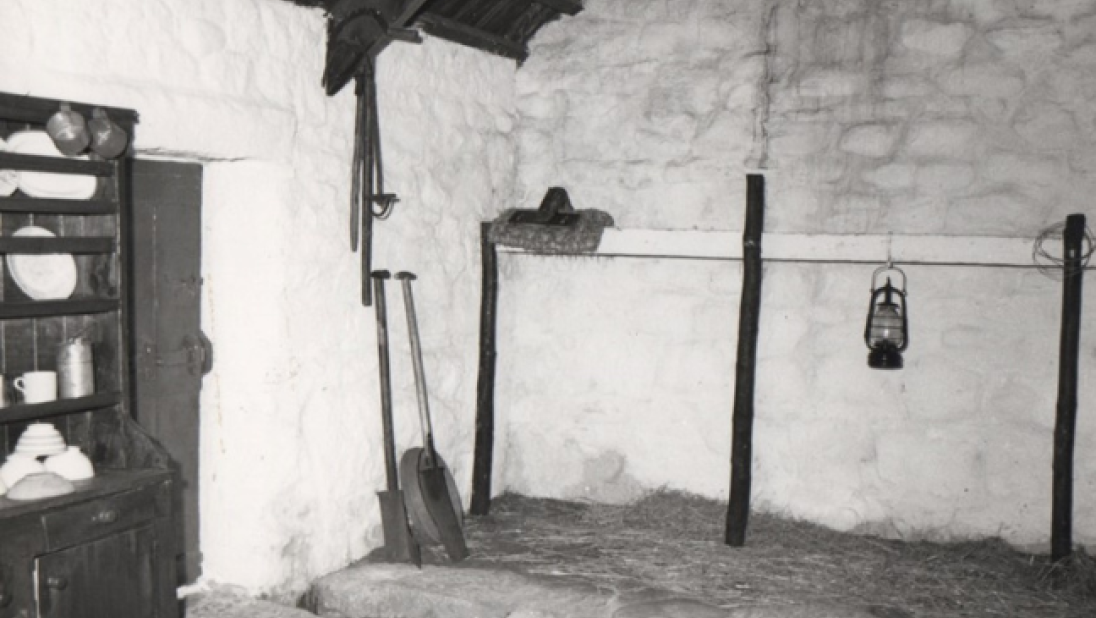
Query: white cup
[37, 386]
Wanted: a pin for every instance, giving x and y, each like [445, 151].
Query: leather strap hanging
[368, 200]
[358, 30]
[355, 170]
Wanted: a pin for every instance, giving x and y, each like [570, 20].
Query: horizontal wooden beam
[37, 110]
[37, 245]
[568, 7]
[37, 309]
[834, 248]
[465, 35]
[43, 206]
[26, 412]
[408, 8]
[59, 165]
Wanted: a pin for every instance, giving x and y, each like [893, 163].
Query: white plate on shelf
[9, 179]
[50, 276]
[45, 184]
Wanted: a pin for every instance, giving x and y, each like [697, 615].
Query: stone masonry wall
[957, 118]
[291, 441]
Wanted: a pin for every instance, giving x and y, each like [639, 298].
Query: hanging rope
[1053, 264]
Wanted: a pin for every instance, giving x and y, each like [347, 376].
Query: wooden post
[749, 314]
[485, 387]
[1061, 532]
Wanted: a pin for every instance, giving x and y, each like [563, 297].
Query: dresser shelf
[109, 548]
[68, 306]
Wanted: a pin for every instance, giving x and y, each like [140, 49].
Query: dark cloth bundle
[555, 227]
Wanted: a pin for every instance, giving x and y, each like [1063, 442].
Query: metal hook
[386, 202]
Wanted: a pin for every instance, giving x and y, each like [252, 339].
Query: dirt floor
[673, 541]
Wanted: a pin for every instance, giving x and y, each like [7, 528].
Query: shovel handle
[381, 309]
[416, 358]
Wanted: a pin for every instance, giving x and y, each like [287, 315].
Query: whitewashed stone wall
[962, 118]
[969, 118]
[644, 109]
[291, 444]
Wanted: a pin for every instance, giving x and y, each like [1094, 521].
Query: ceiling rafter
[500, 27]
[457, 32]
[568, 7]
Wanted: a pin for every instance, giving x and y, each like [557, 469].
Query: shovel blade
[439, 503]
[398, 542]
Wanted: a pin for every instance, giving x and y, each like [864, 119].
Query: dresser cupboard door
[114, 576]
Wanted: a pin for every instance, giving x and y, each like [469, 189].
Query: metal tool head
[381, 274]
[404, 275]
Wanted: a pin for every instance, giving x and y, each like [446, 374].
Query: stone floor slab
[225, 602]
[403, 591]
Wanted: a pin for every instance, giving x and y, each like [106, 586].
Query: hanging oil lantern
[887, 330]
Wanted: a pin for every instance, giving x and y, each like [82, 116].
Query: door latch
[195, 351]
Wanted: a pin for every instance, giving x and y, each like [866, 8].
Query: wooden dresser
[108, 549]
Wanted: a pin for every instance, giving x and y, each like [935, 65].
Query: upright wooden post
[485, 387]
[749, 314]
[1061, 532]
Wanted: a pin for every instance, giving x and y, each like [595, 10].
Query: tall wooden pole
[485, 387]
[1061, 532]
[749, 314]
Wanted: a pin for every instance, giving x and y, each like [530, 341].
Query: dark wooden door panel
[114, 577]
[169, 352]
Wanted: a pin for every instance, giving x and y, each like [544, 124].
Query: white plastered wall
[616, 375]
[967, 125]
[291, 446]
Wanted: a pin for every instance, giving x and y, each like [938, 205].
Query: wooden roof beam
[465, 35]
[568, 7]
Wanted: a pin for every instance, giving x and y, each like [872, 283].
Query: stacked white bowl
[42, 441]
[39, 440]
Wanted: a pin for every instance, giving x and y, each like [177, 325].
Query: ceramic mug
[37, 386]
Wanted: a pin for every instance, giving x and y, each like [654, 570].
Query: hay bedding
[672, 541]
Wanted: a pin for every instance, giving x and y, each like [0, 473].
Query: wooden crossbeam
[568, 7]
[464, 35]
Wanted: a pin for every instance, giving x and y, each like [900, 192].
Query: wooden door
[114, 576]
[170, 352]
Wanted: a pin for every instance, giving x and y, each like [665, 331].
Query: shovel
[398, 542]
[432, 498]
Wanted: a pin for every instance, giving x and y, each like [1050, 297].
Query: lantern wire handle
[889, 266]
[888, 269]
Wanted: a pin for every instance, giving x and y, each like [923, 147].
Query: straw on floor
[672, 541]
